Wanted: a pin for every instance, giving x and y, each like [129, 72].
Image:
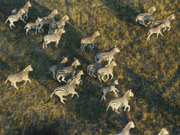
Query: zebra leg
[157, 35]
[129, 108]
[27, 31]
[169, 28]
[14, 84]
[62, 99]
[142, 23]
[93, 74]
[115, 93]
[165, 29]
[148, 38]
[116, 110]
[29, 80]
[63, 79]
[99, 77]
[111, 76]
[76, 94]
[82, 47]
[104, 79]
[22, 20]
[57, 42]
[161, 34]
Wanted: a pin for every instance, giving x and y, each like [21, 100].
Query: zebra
[77, 76]
[53, 69]
[48, 19]
[110, 88]
[15, 17]
[166, 22]
[59, 24]
[108, 55]
[89, 40]
[26, 9]
[66, 71]
[146, 16]
[155, 30]
[55, 37]
[126, 129]
[106, 71]
[92, 68]
[121, 102]
[19, 77]
[66, 90]
[163, 132]
[34, 25]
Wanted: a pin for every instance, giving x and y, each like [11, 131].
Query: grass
[150, 68]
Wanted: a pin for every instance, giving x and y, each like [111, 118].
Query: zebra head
[28, 68]
[130, 93]
[152, 9]
[28, 4]
[171, 17]
[131, 124]
[66, 18]
[38, 20]
[97, 33]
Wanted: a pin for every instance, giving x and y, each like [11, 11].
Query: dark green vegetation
[151, 69]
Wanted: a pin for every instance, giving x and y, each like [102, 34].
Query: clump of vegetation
[150, 68]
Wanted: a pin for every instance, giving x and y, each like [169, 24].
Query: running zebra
[66, 71]
[146, 17]
[53, 69]
[126, 129]
[77, 76]
[110, 88]
[15, 17]
[48, 19]
[55, 37]
[59, 24]
[89, 41]
[92, 68]
[34, 25]
[108, 55]
[120, 102]
[166, 22]
[66, 90]
[106, 71]
[156, 30]
[163, 132]
[19, 77]
[26, 9]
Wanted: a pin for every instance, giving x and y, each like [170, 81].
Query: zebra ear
[115, 46]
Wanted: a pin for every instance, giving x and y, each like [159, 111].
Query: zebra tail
[52, 94]
[6, 20]
[7, 80]
[108, 107]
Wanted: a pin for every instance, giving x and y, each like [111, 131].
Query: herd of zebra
[61, 71]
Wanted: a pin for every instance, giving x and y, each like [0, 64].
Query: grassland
[150, 68]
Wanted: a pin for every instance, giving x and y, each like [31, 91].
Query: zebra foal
[166, 22]
[121, 102]
[156, 30]
[53, 69]
[34, 25]
[108, 55]
[92, 68]
[66, 90]
[89, 41]
[77, 76]
[59, 24]
[19, 77]
[55, 37]
[126, 129]
[110, 88]
[141, 18]
[48, 19]
[66, 71]
[106, 71]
